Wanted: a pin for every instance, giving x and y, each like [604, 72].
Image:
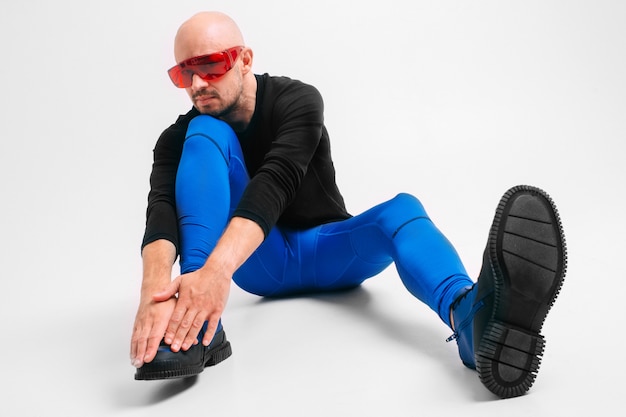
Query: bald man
[243, 189]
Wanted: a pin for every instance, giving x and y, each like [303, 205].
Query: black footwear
[168, 364]
[500, 318]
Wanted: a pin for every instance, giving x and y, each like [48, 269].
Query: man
[243, 187]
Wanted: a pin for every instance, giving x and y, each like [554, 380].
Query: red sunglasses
[208, 67]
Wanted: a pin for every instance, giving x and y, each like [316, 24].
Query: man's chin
[208, 111]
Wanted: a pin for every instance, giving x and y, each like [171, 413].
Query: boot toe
[181, 364]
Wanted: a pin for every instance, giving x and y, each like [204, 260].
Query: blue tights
[210, 181]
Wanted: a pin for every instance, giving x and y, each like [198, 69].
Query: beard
[219, 107]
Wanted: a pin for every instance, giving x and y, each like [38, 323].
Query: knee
[401, 210]
[210, 129]
[407, 205]
[204, 124]
[205, 134]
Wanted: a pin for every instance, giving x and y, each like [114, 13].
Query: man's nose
[197, 83]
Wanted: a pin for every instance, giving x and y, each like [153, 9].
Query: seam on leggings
[405, 223]
[212, 140]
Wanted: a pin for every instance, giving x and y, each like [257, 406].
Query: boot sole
[173, 369]
[528, 257]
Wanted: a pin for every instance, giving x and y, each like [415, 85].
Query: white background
[453, 101]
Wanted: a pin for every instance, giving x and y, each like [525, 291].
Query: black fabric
[287, 153]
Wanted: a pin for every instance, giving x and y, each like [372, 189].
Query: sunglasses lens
[176, 75]
[207, 67]
[213, 67]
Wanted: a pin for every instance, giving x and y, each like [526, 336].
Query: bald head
[231, 96]
[204, 33]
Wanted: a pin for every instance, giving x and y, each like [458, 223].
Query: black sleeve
[161, 219]
[297, 115]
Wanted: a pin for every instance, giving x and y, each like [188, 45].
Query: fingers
[141, 349]
[183, 329]
[179, 328]
[211, 329]
[199, 300]
[137, 349]
[152, 347]
[148, 331]
[144, 346]
[183, 333]
[190, 335]
[173, 325]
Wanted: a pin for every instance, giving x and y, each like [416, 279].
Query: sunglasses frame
[182, 73]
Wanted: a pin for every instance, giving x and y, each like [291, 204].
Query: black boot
[500, 318]
[168, 364]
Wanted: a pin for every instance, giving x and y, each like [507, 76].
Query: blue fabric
[211, 179]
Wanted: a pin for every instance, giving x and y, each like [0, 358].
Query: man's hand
[152, 317]
[150, 324]
[202, 296]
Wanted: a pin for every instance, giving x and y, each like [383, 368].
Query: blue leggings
[210, 181]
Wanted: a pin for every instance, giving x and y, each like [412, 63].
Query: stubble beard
[225, 110]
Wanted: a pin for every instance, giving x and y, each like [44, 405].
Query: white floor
[451, 101]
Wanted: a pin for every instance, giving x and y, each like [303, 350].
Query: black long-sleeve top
[287, 153]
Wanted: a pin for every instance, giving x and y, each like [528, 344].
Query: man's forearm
[240, 239]
[158, 258]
